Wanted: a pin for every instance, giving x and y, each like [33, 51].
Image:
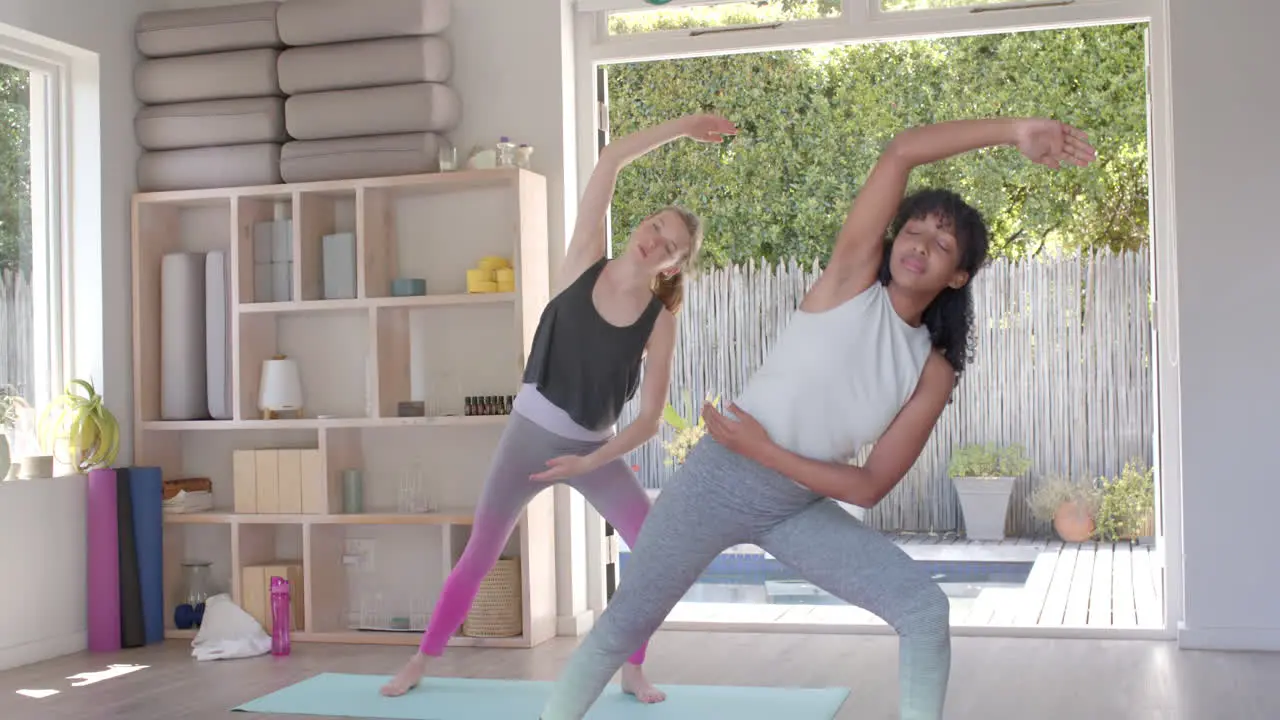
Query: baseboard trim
[575, 625]
[1012, 631]
[1250, 639]
[45, 649]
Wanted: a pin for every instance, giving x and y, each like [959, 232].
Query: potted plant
[1071, 505]
[983, 477]
[688, 428]
[1127, 508]
[81, 425]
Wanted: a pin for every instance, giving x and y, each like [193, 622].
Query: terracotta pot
[1072, 523]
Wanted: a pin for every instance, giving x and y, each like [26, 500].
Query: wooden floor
[991, 678]
[1097, 585]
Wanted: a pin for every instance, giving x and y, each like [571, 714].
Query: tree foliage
[814, 121]
[15, 170]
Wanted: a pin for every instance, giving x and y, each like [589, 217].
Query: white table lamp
[280, 389]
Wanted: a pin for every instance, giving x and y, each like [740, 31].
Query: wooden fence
[1062, 366]
[17, 351]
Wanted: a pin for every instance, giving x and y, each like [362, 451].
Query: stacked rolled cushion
[213, 112]
[367, 87]
[491, 274]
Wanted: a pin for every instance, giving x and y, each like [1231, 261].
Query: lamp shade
[281, 387]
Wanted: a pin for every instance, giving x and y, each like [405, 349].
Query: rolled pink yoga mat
[104, 562]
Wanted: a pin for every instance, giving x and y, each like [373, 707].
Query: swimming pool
[759, 578]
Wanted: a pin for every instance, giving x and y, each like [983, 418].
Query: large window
[31, 241]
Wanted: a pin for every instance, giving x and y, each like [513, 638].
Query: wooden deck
[1080, 585]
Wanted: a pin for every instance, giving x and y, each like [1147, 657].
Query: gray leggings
[719, 499]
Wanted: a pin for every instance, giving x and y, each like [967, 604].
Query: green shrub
[989, 460]
[1127, 501]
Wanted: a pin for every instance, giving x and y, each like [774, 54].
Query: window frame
[859, 21]
[50, 241]
[862, 21]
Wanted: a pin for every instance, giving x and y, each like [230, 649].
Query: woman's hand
[743, 436]
[707, 128]
[1052, 143]
[565, 467]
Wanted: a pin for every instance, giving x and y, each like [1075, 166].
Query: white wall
[42, 566]
[1227, 164]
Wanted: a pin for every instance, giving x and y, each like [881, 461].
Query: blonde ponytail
[670, 290]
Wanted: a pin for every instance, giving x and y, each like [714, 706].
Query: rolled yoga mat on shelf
[218, 76]
[183, 374]
[319, 22]
[103, 592]
[171, 33]
[208, 123]
[217, 318]
[146, 494]
[211, 167]
[365, 64]
[396, 109]
[347, 158]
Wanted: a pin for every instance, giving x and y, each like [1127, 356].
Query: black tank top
[587, 366]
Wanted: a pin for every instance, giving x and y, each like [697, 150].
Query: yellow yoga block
[506, 287]
[483, 287]
[476, 275]
[504, 276]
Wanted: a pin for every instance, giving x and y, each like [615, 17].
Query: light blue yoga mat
[356, 696]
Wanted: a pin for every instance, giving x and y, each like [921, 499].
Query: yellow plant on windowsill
[687, 430]
[82, 426]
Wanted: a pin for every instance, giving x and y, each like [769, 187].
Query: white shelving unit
[433, 226]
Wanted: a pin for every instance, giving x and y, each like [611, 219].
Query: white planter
[984, 502]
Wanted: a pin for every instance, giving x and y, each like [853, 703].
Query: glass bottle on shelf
[506, 155]
[195, 583]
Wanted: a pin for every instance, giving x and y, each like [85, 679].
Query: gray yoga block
[262, 282]
[339, 266]
[262, 238]
[282, 241]
[281, 279]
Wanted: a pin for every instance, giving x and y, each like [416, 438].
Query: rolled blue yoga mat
[356, 696]
[146, 493]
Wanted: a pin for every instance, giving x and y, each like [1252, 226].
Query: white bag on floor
[228, 632]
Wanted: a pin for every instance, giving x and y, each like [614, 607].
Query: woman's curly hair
[949, 317]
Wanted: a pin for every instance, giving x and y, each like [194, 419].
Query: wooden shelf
[428, 183]
[358, 358]
[411, 302]
[460, 516]
[322, 423]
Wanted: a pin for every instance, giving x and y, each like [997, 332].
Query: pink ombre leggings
[524, 450]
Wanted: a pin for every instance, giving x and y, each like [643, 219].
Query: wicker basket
[497, 611]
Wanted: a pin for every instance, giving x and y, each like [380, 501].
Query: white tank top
[833, 381]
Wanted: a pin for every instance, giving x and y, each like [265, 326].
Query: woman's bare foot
[408, 677]
[635, 683]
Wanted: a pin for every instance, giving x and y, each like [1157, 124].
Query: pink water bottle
[280, 616]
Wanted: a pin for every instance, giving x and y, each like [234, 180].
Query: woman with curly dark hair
[871, 356]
